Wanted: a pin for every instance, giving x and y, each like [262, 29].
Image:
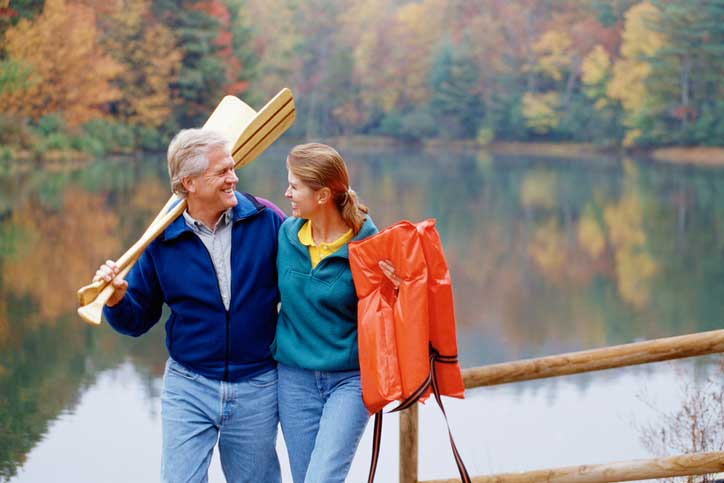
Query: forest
[118, 76]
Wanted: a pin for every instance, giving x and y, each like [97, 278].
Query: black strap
[431, 380]
[464, 476]
[376, 440]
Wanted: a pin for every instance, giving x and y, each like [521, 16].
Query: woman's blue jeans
[322, 417]
[242, 416]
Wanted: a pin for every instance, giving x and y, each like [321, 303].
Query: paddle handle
[92, 313]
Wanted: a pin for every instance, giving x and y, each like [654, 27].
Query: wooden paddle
[252, 132]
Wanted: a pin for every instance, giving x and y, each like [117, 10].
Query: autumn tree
[632, 71]
[70, 74]
[146, 50]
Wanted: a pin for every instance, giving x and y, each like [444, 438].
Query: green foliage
[202, 76]
[150, 139]
[50, 124]
[6, 153]
[113, 137]
[88, 145]
[14, 75]
[454, 100]
[414, 125]
[57, 141]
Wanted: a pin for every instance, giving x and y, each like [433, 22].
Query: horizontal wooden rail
[596, 359]
[682, 465]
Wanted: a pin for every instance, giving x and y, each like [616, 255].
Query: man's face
[214, 189]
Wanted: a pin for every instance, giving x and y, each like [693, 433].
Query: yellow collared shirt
[318, 252]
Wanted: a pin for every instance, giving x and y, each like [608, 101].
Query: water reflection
[546, 256]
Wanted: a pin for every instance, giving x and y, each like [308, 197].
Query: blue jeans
[242, 416]
[323, 418]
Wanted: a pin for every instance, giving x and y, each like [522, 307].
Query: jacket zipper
[228, 315]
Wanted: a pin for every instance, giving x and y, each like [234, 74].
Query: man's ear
[189, 184]
[323, 194]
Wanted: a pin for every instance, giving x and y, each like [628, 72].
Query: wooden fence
[575, 363]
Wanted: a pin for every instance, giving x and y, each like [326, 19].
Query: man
[215, 269]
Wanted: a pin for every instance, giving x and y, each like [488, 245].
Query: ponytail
[352, 210]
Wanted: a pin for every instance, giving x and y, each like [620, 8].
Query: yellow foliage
[638, 38]
[538, 189]
[591, 236]
[631, 136]
[628, 83]
[539, 111]
[595, 66]
[71, 74]
[554, 51]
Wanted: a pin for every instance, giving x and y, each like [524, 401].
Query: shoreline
[696, 155]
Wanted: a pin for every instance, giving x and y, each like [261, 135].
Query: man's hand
[109, 272]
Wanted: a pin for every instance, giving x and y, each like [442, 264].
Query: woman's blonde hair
[320, 166]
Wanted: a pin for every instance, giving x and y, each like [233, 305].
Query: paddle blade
[230, 118]
[270, 122]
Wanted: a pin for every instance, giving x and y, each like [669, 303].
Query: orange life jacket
[407, 342]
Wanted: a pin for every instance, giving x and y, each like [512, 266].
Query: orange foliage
[71, 74]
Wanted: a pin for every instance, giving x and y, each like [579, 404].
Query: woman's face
[304, 200]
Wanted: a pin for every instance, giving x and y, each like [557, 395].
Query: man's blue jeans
[242, 416]
[323, 418]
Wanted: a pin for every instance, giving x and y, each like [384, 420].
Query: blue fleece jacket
[201, 334]
[317, 327]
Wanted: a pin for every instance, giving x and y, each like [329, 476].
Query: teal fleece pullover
[317, 325]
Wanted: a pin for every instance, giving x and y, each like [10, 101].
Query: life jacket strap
[431, 380]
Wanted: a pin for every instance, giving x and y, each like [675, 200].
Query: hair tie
[347, 196]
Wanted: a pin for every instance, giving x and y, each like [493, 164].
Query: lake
[546, 255]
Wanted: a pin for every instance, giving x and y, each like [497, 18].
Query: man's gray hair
[188, 155]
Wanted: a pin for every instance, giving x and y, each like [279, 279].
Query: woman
[320, 398]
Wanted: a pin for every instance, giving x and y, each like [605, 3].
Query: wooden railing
[575, 363]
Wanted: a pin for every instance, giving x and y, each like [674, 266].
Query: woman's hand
[109, 272]
[389, 270]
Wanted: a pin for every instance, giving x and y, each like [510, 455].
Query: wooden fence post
[408, 445]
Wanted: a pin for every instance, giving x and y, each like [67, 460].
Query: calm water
[547, 256]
